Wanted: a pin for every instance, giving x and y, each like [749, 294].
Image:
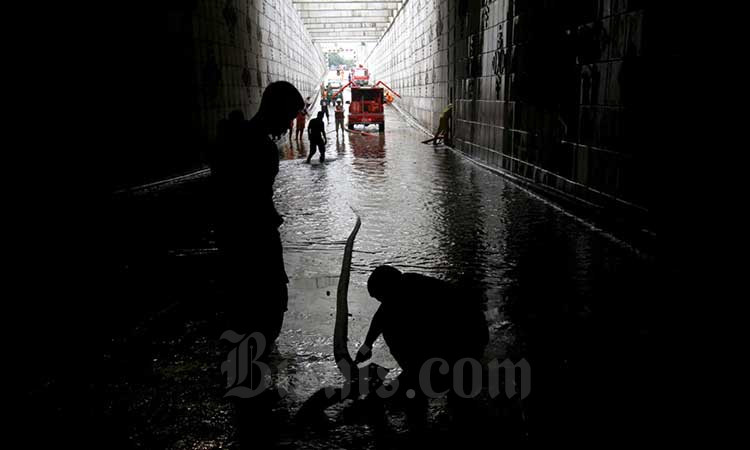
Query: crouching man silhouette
[423, 318]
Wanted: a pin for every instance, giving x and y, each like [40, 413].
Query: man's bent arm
[376, 328]
[365, 351]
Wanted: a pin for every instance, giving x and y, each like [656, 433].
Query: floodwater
[570, 299]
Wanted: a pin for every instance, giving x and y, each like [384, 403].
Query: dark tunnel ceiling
[346, 20]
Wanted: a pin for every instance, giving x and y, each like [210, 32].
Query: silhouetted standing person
[317, 133]
[247, 235]
[301, 118]
[252, 274]
[339, 117]
[324, 108]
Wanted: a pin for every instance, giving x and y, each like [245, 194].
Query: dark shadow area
[124, 348]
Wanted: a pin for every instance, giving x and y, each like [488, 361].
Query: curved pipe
[344, 360]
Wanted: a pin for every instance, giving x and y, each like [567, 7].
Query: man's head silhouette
[279, 105]
[383, 283]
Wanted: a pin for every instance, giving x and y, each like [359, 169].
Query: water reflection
[568, 299]
[291, 149]
[370, 146]
[463, 222]
[340, 146]
[422, 208]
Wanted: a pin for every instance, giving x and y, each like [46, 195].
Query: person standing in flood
[251, 276]
[339, 116]
[301, 117]
[317, 133]
[324, 108]
[243, 172]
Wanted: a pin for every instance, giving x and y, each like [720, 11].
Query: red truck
[366, 107]
[360, 76]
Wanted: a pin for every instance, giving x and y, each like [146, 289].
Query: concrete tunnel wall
[219, 56]
[552, 92]
[616, 72]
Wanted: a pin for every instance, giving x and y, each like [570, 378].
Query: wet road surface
[570, 299]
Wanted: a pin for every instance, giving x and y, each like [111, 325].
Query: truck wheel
[350, 126]
[381, 127]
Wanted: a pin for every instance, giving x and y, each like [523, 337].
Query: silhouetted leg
[313, 149]
[463, 387]
[416, 420]
[415, 404]
[255, 425]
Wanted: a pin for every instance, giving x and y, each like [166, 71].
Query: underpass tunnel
[562, 96]
[545, 196]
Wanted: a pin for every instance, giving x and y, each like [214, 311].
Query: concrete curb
[162, 184]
